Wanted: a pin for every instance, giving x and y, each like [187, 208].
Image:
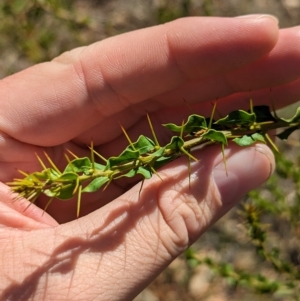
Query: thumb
[189, 205]
[247, 168]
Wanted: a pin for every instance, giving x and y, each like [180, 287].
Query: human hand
[113, 252]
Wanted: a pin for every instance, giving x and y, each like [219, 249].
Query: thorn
[156, 173]
[127, 137]
[274, 110]
[23, 173]
[32, 195]
[92, 154]
[188, 154]
[104, 188]
[271, 142]
[251, 106]
[47, 205]
[100, 156]
[67, 158]
[140, 191]
[79, 201]
[69, 162]
[32, 198]
[152, 130]
[219, 113]
[40, 161]
[212, 114]
[27, 207]
[189, 170]
[181, 131]
[224, 159]
[71, 153]
[18, 197]
[76, 186]
[187, 104]
[52, 163]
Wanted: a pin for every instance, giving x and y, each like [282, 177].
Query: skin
[114, 251]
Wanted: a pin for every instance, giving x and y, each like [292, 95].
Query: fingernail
[258, 16]
[247, 168]
[263, 149]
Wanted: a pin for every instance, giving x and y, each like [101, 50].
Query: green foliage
[238, 117]
[249, 139]
[168, 11]
[194, 123]
[145, 156]
[27, 29]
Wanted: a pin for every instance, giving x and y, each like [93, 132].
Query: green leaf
[215, 136]
[287, 132]
[243, 141]
[175, 144]
[67, 177]
[295, 118]
[237, 118]
[143, 145]
[53, 174]
[46, 175]
[159, 152]
[164, 160]
[97, 166]
[79, 165]
[125, 157]
[96, 184]
[194, 123]
[140, 170]
[263, 114]
[131, 173]
[258, 137]
[247, 140]
[41, 175]
[69, 182]
[50, 193]
[65, 191]
[145, 172]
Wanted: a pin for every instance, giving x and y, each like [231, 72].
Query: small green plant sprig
[145, 156]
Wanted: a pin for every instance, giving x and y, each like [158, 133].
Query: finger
[271, 80]
[18, 213]
[275, 97]
[91, 83]
[281, 66]
[112, 243]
